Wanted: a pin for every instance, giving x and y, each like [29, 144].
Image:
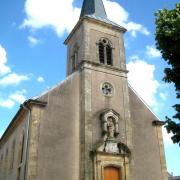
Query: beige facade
[91, 121]
[10, 148]
[14, 147]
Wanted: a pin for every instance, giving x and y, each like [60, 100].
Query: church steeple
[93, 40]
[93, 7]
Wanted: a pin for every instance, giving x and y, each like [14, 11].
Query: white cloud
[152, 52]
[163, 96]
[18, 96]
[4, 69]
[61, 16]
[1, 132]
[134, 57]
[167, 137]
[121, 16]
[141, 78]
[40, 79]
[7, 77]
[13, 79]
[134, 28]
[10, 78]
[7, 103]
[57, 14]
[33, 41]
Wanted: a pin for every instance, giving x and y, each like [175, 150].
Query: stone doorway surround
[110, 151]
[102, 160]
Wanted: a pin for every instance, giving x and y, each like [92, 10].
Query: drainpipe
[27, 140]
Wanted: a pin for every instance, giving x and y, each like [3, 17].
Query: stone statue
[110, 128]
[110, 124]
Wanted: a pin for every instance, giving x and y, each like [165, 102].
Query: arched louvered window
[73, 63]
[75, 58]
[109, 54]
[101, 53]
[105, 52]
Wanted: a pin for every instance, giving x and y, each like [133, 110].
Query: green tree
[168, 42]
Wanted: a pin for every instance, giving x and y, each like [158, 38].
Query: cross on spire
[93, 7]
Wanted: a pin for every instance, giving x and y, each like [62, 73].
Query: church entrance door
[111, 173]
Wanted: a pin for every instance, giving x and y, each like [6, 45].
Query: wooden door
[111, 173]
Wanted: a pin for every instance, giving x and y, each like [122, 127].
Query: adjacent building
[171, 177]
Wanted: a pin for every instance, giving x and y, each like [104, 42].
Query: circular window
[107, 89]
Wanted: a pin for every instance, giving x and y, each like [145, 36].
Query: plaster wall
[147, 151]
[58, 149]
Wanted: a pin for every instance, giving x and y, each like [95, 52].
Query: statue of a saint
[110, 128]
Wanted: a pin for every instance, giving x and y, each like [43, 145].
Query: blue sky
[33, 56]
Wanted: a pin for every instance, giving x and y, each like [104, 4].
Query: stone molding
[102, 160]
[89, 64]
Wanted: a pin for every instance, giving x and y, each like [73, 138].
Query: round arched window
[105, 52]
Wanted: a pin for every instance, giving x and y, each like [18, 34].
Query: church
[91, 126]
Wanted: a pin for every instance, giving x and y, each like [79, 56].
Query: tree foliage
[168, 42]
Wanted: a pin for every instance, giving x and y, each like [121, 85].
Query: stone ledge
[158, 123]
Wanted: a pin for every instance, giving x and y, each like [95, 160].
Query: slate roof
[95, 9]
[106, 20]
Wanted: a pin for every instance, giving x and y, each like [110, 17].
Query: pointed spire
[93, 7]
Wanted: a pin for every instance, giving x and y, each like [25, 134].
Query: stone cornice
[89, 64]
[34, 102]
[158, 123]
[120, 29]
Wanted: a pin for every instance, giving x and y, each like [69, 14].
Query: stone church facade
[92, 126]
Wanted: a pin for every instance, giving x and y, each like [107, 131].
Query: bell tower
[96, 52]
[95, 39]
